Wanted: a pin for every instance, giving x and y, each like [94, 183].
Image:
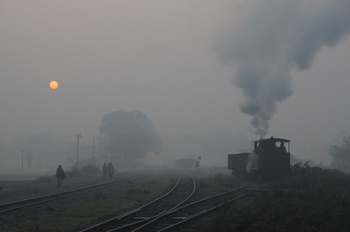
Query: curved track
[179, 216]
[182, 191]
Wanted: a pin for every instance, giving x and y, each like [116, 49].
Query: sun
[53, 84]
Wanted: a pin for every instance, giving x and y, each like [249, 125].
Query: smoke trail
[268, 39]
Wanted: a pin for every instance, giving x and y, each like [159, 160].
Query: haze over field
[191, 66]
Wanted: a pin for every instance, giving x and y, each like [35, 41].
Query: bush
[75, 172]
[313, 199]
[90, 170]
[44, 179]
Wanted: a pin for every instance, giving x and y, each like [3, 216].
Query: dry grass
[65, 217]
[75, 215]
[214, 181]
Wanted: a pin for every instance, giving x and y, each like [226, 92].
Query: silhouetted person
[110, 170]
[60, 176]
[197, 162]
[104, 171]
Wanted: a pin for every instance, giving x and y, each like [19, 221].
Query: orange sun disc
[53, 84]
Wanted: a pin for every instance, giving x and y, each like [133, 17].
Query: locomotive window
[278, 144]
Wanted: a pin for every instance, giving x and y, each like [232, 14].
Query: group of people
[107, 171]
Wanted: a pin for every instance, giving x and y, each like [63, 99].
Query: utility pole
[22, 162]
[78, 137]
[30, 157]
[94, 146]
[100, 150]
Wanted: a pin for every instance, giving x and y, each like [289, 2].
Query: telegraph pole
[22, 162]
[100, 148]
[94, 147]
[78, 137]
[30, 161]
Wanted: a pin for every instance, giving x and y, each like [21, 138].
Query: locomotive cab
[269, 159]
[273, 156]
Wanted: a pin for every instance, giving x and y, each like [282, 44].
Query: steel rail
[115, 223]
[17, 205]
[200, 212]
[172, 209]
[128, 213]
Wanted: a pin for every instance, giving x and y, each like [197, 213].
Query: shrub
[312, 200]
[90, 170]
[44, 179]
[75, 172]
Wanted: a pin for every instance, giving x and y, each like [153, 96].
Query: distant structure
[198, 162]
[184, 163]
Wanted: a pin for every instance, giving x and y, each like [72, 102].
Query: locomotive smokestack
[274, 37]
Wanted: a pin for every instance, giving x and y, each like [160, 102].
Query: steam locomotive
[270, 159]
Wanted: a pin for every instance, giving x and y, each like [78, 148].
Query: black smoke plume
[268, 39]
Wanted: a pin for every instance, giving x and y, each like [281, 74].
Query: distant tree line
[42, 151]
[341, 155]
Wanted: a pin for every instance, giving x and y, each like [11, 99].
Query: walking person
[110, 170]
[60, 175]
[197, 162]
[104, 171]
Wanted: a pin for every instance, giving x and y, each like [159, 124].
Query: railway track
[172, 220]
[181, 192]
[29, 202]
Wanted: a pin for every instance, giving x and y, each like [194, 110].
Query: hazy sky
[174, 61]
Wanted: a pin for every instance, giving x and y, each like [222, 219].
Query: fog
[220, 73]
[269, 41]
